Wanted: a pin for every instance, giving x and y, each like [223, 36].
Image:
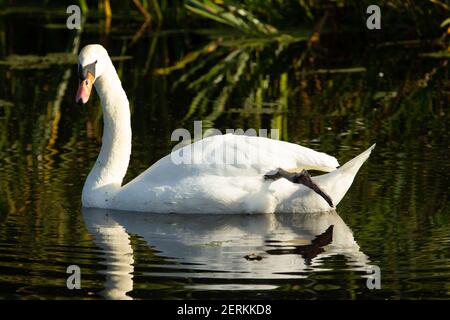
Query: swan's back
[233, 155]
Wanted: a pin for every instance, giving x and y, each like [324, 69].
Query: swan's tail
[337, 183]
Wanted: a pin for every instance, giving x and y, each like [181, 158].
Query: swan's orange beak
[84, 89]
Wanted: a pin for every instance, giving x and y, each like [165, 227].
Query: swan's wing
[236, 156]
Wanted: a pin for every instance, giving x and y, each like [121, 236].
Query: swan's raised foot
[302, 177]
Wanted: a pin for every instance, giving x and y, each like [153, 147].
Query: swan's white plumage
[225, 173]
[216, 186]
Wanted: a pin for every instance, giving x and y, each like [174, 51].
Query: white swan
[207, 186]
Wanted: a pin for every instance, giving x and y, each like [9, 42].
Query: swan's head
[92, 63]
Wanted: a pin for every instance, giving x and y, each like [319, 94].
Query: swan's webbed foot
[302, 177]
[276, 174]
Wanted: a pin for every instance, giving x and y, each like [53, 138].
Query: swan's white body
[212, 185]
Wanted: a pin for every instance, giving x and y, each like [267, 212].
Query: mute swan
[260, 184]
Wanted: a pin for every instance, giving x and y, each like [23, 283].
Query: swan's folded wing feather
[236, 155]
[258, 155]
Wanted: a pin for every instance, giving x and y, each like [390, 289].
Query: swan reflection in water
[266, 246]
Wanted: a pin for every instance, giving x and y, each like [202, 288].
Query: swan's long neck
[105, 178]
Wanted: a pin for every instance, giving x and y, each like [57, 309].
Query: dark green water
[395, 216]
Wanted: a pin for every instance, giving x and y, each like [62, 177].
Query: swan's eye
[87, 82]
